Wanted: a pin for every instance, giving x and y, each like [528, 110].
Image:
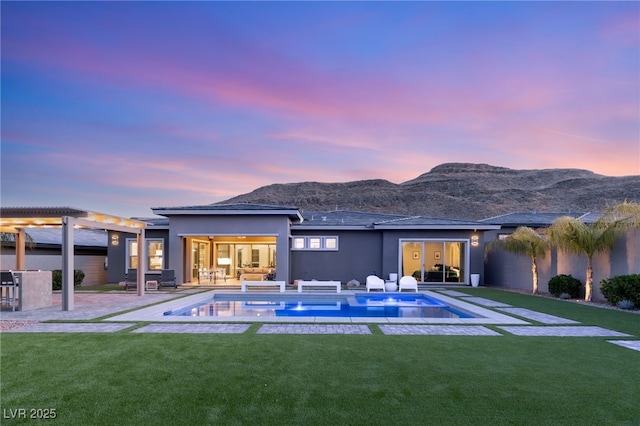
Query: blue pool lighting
[374, 305]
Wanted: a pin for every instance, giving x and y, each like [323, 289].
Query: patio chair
[11, 286]
[408, 283]
[131, 280]
[168, 278]
[375, 283]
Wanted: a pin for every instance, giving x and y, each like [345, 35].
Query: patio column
[67, 263]
[142, 262]
[21, 238]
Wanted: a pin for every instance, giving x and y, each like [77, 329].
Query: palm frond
[524, 241]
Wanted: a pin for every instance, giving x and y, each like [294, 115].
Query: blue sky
[121, 106]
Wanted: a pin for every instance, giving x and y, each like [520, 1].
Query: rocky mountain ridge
[458, 191]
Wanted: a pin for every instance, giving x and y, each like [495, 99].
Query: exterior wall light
[475, 241]
[115, 239]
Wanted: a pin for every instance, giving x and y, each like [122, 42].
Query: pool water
[376, 305]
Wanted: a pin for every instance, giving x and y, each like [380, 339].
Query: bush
[565, 284]
[625, 304]
[622, 287]
[56, 278]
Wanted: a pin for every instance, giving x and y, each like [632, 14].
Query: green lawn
[253, 379]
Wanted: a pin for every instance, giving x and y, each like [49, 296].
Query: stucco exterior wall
[118, 254]
[391, 248]
[92, 264]
[359, 255]
[508, 270]
[369, 252]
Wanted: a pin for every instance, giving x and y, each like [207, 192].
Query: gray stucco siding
[118, 254]
[508, 270]
[359, 255]
[391, 241]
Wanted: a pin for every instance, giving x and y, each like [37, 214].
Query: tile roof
[154, 222]
[537, 219]
[362, 220]
[344, 218]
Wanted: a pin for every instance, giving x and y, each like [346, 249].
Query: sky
[118, 107]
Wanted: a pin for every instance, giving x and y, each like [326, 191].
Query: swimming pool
[370, 305]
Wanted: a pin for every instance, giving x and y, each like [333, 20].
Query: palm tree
[524, 241]
[574, 236]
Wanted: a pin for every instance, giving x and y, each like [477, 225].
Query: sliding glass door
[434, 261]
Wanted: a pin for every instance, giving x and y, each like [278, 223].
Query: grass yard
[253, 379]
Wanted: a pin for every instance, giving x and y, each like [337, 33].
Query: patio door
[200, 256]
[434, 261]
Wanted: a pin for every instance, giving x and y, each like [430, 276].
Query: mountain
[458, 191]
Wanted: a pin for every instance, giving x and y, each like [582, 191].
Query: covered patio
[18, 220]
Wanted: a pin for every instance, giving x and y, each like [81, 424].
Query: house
[285, 243]
[45, 252]
[503, 269]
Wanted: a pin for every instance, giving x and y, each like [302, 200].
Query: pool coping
[156, 313]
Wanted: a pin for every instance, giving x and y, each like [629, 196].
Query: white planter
[475, 280]
[391, 286]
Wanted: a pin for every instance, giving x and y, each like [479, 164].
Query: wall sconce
[475, 241]
[115, 239]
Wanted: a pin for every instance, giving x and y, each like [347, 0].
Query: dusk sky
[122, 106]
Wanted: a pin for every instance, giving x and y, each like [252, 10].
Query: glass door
[412, 259]
[434, 261]
[199, 251]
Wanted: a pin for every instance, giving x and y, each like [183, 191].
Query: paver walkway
[194, 328]
[71, 327]
[486, 302]
[313, 329]
[631, 344]
[89, 306]
[92, 306]
[562, 331]
[537, 316]
[454, 293]
[438, 330]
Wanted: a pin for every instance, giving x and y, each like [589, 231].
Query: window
[155, 254]
[331, 243]
[315, 243]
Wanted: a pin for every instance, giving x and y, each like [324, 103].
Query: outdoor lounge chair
[131, 280]
[408, 283]
[375, 283]
[168, 278]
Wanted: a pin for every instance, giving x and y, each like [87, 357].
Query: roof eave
[480, 227]
[293, 214]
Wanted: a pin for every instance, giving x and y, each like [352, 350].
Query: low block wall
[35, 289]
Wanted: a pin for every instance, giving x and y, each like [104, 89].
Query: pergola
[18, 220]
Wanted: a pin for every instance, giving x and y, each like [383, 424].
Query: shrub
[56, 278]
[625, 304]
[622, 287]
[565, 284]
